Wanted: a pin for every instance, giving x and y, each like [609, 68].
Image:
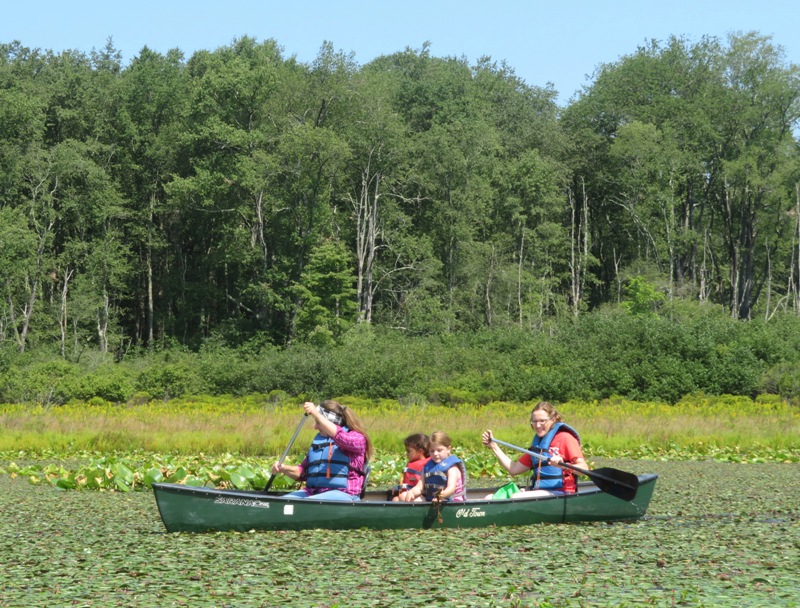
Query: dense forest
[240, 195]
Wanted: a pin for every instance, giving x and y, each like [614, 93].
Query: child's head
[440, 438]
[439, 446]
[416, 446]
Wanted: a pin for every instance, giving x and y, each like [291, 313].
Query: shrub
[782, 379]
[685, 350]
[169, 381]
[44, 382]
[109, 383]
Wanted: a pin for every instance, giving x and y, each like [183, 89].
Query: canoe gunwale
[372, 497]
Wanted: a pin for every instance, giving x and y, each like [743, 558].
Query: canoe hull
[193, 509]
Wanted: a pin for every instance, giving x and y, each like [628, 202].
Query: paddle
[618, 483]
[286, 451]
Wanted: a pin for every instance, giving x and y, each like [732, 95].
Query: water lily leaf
[92, 482]
[67, 484]
[152, 476]
[246, 471]
[178, 476]
[239, 482]
[122, 472]
[259, 481]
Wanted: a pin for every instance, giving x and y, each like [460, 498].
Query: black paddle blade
[620, 484]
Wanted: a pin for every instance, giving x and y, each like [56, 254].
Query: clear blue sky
[544, 41]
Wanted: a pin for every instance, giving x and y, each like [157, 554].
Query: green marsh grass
[257, 425]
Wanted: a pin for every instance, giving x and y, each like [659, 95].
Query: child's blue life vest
[435, 475]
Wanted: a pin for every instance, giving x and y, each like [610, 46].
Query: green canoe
[200, 509]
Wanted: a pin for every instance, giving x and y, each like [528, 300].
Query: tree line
[242, 195]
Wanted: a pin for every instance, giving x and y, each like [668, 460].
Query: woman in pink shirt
[336, 463]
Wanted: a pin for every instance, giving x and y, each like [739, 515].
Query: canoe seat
[367, 471]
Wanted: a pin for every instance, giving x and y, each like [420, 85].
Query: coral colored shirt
[354, 444]
[565, 445]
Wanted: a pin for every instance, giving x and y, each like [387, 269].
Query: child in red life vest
[417, 454]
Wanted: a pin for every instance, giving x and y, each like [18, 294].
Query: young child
[444, 477]
[417, 453]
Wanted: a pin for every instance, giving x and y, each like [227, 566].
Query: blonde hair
[441, 438]
[546, 406]
[351, 421]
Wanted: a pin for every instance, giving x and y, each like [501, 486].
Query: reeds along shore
[254, 427]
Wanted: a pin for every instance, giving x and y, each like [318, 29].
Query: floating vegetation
[716, 534]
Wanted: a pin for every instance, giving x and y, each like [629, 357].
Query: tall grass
[254, 426]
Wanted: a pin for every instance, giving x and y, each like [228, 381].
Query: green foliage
[695, 548]
[242, 194]
[137, 471]
[99, 445]
[229, 371]
[641, 297]
[664, 356]
[109, 383]
[239, 222]
[40, 381]
[326, 291]
[782, 379]
[665, 158]
[168, 374]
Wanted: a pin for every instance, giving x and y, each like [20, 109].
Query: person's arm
[580, 463]
[576, 462]
[453, 477]
[572, 455]
[326, 427]
[293, 471]
[290, 470]
[514, 467]
[414, 493]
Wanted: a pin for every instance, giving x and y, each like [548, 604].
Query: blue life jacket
[327, 466]
[549, 477]
[435, 476]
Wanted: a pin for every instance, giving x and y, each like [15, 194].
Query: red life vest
[412, 473]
